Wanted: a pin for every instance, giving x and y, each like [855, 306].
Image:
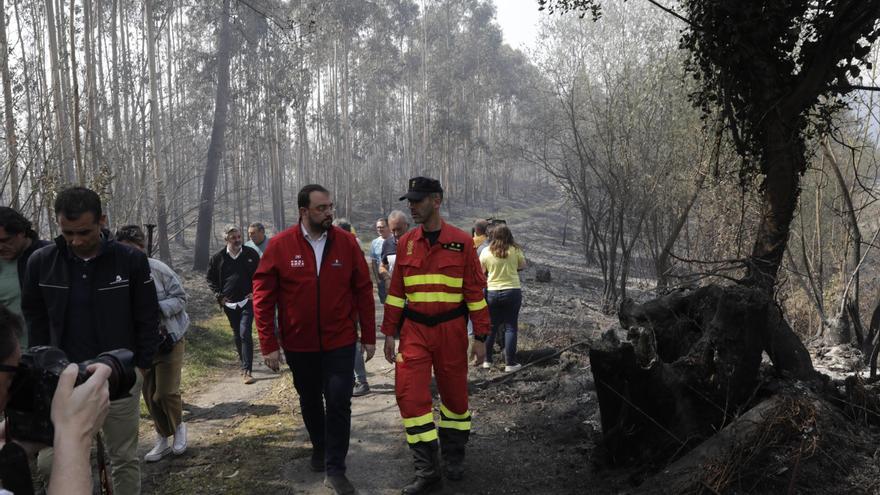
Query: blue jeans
[504, 308]
[320, 377]
[380, 283]
[360, 367]
[241, 320]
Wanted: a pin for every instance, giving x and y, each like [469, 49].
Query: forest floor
[534, 432]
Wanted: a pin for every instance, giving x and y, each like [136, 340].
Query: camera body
[28, 411]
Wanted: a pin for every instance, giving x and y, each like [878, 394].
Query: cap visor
[413, 196]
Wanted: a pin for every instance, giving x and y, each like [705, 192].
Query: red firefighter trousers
[444, 348]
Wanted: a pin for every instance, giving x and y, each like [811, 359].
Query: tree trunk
[691, 359]
[74, 96]
[8, 112]
[62, 131]
[156, 137]
[216, 145]
[783, 163]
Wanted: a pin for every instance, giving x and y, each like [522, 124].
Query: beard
[323, 226]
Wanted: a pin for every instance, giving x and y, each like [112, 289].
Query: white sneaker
[512, 367]
[179, 445]
[487, 365]
[160, 450]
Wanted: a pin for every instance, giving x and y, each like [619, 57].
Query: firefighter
[436, 285]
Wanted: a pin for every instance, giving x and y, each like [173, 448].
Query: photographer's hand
[77, 413]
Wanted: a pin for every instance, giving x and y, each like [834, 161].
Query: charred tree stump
[690, 362]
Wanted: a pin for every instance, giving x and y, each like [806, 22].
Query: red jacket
[314, 313]
[436, 279]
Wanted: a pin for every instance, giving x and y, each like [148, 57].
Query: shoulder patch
[453, 246]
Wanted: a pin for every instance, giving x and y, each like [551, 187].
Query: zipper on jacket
[318, 283]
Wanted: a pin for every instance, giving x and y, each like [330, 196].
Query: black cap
[419, 187]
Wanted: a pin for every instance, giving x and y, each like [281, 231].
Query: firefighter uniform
[434, 288]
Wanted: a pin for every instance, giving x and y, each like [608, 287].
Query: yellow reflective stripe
[395, 301]
[456, 425]
[433, 278]
[418, 421]
[428, 436]
[428, 297]
[451, 415]
[474, 306]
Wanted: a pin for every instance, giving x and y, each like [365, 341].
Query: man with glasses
[317, 276]
[18, 241]
[383, 233]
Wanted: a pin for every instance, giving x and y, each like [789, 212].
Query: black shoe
[339, 483]
[423, 485]
[454, 472]
[317, 461]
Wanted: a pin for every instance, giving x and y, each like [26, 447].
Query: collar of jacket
[331, 233]
[445, 233]
[107, 242]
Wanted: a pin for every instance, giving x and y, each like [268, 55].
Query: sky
[519, 21]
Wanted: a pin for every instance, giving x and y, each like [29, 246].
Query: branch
[675, 14]
[851, 87]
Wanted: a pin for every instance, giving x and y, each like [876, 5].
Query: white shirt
[317, 245]
[236, 255]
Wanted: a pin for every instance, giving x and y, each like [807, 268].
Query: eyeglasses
[324, 208]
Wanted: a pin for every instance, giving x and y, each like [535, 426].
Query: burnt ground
[534, 432]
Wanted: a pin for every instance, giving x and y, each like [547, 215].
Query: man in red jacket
[437, 284]
[317, 275]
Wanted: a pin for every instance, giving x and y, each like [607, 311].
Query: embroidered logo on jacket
[409, 247]
[453, 246]
[336, 263]
[297, 262]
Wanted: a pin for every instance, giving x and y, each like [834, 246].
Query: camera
[28, 412]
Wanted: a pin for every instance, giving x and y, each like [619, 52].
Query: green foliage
[209, 349]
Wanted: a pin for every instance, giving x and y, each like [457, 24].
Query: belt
[434, 320]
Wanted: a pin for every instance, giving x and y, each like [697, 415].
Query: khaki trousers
[162, 390]
[121, 439]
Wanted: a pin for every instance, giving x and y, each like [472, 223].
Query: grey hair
[399, 215]
[259, 226]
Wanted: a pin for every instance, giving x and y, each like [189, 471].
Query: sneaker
[512, 367]
[160, 450]
[248, 378]
[360, 389]
[179, 445]
[487, 365]
[339, 483]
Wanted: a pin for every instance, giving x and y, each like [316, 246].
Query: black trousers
[325, 378]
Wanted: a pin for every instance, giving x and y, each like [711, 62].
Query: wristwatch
[480, 338]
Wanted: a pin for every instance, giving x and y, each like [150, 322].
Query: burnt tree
[776, 72]
[690, 363]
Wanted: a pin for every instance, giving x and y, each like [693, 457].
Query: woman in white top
[502, 261]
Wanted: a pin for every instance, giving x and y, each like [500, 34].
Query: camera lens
[122, 374]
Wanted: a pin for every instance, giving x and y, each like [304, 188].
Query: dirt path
[532, 434]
